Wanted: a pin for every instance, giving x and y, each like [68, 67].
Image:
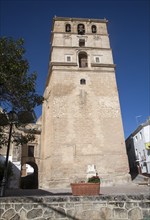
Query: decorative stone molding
[63, 64]
[67, 36]
[96, 37]
[103, 65]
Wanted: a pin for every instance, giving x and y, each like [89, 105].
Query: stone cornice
[103, 65]
[83, 48]
[63, 64]
[80, 19]
[74, 33]
[75, 64]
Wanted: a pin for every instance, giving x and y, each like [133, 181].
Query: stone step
[142, 180]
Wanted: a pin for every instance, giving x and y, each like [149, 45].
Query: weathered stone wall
[81, 123]
[116, 207]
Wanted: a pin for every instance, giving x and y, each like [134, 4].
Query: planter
[85, 189]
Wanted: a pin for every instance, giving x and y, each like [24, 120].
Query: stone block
[70, 213]
[136, 197]
[87, 206]
[105, 213]
[117, 204]
[48, 212]
[75, 199]
[29, 206]
[88, 214]
[9, 214]
[78, 207]
[135, 214]
[62, 205]
[120, 213]
[59, 213]
[18, 207]
[98, 206]
[1, 211]
[55, 199]
[144, 204]
[16, 217]
[23, 214]
[146, 213]
[130, 205]
[7, 206]
[34, 213]
[69, 205]
[39, 206]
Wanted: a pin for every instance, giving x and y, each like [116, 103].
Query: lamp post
[12, 119]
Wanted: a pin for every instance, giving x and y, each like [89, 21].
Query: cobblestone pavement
[109, 190]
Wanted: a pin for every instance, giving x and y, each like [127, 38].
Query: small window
[136, 138]
[68, 28]
[81, 43]
[97, 59]
[94, 29]
[140, 135]
[30, 151]
[82, 81]
[68, 58]
[81, 29]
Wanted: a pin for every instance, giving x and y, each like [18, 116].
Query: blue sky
[129, 31]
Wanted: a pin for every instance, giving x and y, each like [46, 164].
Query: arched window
[83, 61]
[68, 28]
[94, 29]
[81, 29]
[82, 81]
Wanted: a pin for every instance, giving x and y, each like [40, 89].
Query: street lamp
[12, 118]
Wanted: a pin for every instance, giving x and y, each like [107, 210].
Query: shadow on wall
[13, 173]
[30, 181]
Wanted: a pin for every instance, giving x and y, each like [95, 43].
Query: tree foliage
[17, 85]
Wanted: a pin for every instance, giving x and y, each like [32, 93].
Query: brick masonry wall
[108, 207]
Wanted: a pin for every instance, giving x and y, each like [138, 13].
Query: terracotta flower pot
[85, 189]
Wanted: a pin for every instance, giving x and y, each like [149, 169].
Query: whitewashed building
[138, 149]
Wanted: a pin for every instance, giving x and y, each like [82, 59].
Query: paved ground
[127, 189]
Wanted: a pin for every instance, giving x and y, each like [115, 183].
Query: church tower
[81, 118]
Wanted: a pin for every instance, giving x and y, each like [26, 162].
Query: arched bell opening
[83, 59]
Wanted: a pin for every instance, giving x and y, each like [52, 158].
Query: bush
[94, 179]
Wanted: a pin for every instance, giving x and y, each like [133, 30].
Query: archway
[83, 59]
[29, 178]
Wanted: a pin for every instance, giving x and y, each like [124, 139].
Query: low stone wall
[107, 207]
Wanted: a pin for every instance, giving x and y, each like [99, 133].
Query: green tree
[17, 85]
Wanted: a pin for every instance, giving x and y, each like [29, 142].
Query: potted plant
[89, 188]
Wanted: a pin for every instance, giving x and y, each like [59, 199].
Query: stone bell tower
[81, 119]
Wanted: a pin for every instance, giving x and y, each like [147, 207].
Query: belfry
[81, 117]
